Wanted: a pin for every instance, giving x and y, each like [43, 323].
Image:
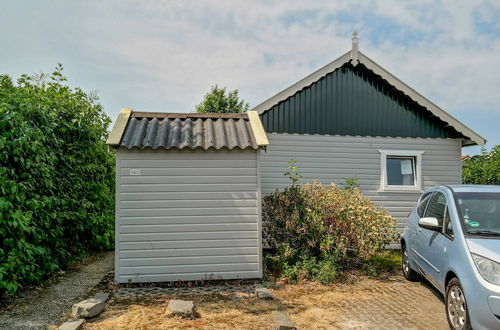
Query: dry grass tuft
[215, 311]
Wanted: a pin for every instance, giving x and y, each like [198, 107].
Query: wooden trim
[257, 128]
[417, 187]
[117, 215]
[315, 76]
[259, 212]
[120, 124]
[188, 115]
[423, 101]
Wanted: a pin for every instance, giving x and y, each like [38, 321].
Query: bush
[56, 178]
[483, 168]
[387, 262]
[320, 229]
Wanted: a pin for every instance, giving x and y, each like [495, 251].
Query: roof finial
[354, 51]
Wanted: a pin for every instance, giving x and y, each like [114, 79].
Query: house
[353, 119]
[189, 186]
[187, 196]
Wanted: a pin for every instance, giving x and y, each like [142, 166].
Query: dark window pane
[480, 210]
[401, 171]
[436, 207]
[448, 229]
[423, 204]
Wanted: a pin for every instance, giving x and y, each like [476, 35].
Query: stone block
[72, 325]
[104, 296]
[88, 308]
[263, 293]
[282, 321]
[182, 308]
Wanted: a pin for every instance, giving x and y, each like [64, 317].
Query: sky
[165, 55]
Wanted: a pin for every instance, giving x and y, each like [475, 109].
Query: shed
[187, 196]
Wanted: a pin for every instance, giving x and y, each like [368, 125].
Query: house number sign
[135, 172]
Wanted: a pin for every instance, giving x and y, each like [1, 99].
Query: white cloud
[155, 55]
[184, 47]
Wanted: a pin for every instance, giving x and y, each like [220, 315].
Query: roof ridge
[185, 115]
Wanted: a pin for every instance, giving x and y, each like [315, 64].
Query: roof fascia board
[315, 76]
[420, 99]
[115, 136]
[258, 130]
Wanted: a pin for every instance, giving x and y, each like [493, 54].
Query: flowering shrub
[332, 227]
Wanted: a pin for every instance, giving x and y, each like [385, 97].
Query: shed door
[187, 215]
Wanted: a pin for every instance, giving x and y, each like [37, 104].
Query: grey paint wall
[189, 215]
[329, 158]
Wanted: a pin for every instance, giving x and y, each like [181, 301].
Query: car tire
[457, 312]
[408, 273]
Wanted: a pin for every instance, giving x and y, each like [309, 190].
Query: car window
[448, 228]
[423, 204]
[437, 205]
[479, 211]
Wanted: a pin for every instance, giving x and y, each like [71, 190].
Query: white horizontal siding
[188, 244]
[189, 215]
[331, 159]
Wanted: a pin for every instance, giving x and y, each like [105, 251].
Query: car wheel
[456, 306]
[408, 273]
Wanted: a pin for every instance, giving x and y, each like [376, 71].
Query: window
[436, 207]
[401, 170]
[448, 228]
[423, 204]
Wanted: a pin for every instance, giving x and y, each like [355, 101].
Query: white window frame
[401, 153]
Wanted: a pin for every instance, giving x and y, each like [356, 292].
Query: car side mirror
[430, 223]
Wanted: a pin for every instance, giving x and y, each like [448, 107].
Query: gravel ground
[38, 308]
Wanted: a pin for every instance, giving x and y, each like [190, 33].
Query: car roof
[474, 188]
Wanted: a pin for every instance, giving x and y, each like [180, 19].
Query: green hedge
[56, 178]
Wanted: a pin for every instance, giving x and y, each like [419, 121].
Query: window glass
[400, 171]
[437, 205]
[423, 204]
[479, 210]
[448, 229]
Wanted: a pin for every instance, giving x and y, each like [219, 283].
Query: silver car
[452, 238]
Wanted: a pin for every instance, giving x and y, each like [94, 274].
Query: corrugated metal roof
[179, 130]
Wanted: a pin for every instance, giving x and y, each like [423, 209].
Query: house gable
[353, 100]
[432, 120]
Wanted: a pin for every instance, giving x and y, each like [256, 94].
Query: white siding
[332, 158]
[189, 215]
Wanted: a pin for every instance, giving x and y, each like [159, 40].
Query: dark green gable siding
[354, 101]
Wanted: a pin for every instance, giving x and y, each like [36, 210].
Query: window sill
[399, 189]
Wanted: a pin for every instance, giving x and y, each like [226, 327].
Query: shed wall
[188, 215]
[329, 158]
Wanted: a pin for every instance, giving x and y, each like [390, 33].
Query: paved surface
[393, 303]
[40, 308]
